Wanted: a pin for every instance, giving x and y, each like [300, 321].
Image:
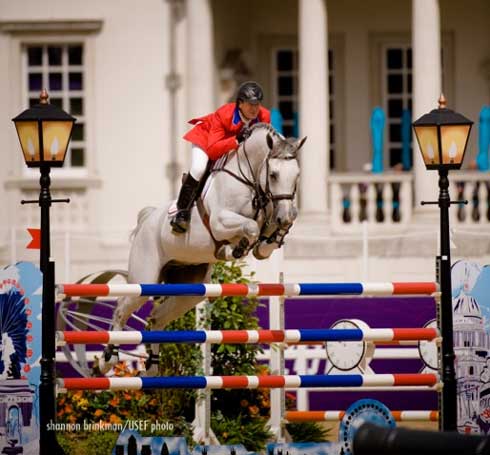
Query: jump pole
[250, 382]
[293, 336]
[278, 410]
[336, 416]
[271, 290]
[249, 290]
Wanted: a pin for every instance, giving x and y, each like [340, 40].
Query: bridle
[275, 197]
[262, 197]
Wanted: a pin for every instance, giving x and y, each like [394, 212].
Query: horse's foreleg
[239, 230]
[263, 250]
[126, 306]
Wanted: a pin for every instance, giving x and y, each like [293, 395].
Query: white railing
[474, 187]
[383, 200]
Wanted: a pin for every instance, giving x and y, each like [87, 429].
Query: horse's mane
[288, 145]
[268, 127]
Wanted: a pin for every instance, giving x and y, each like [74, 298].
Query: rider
[215, 135]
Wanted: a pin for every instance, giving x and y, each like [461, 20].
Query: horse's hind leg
[171, 308]
[125, 307]
[143, 268]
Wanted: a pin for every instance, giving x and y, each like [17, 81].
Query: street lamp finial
[44, 97]
[442, 101]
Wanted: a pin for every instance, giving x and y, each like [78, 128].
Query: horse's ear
[300, 143]
[270, 141]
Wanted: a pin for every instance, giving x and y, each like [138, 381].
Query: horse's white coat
[188, 257]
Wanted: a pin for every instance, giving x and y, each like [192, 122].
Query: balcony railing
[474, 187]
[385, 201]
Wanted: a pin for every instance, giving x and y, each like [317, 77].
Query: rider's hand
[242, 135]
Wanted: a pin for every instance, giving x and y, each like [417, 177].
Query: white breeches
[199, 162]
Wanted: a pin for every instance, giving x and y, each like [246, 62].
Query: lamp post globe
[44, 132]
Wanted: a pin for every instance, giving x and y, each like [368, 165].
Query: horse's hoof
[257, 254]
[109, 352]
[153, 359]
[110, 356]
[240, 249]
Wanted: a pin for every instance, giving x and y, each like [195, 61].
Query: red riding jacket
[215, 133]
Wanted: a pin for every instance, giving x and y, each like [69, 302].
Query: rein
[262, 197]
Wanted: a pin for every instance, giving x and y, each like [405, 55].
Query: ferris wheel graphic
[14, 328]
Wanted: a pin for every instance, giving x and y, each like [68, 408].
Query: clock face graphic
[346, 355]
[428, 350]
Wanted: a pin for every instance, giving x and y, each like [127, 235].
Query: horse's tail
[143, 214]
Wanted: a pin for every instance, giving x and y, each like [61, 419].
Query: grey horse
[248, 204]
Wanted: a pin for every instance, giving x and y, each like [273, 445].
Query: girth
[205, 219]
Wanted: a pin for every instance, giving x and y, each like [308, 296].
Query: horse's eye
[273, 176]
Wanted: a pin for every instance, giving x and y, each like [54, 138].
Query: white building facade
[133, 73]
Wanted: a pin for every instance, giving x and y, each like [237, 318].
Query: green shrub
[252, 433]
[307, 432]
[180, 359]
[239, 416]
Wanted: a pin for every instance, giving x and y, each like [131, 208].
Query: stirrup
[180, 222]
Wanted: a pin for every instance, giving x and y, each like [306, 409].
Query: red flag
[35, 243]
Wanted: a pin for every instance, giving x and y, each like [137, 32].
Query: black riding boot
[180, 222]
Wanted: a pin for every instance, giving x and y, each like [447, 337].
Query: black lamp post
[44, 133]
[442, 136]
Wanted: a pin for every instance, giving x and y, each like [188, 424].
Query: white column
[313, 106]
[200, 59]
[426, 45]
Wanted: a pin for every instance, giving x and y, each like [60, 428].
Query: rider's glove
[242, 135]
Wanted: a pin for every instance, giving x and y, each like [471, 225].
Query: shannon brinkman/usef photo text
[135, 425]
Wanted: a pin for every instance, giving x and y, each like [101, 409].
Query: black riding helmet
[250, 92]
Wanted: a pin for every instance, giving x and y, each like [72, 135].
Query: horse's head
[279, 177]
